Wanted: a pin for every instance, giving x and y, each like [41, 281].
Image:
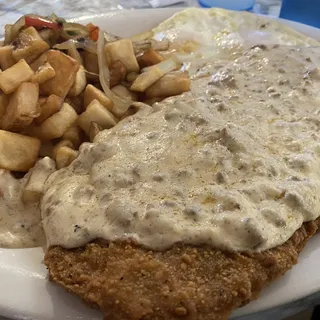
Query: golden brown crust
[130, 283]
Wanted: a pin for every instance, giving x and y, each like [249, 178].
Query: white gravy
[20, 224]
[234, 164]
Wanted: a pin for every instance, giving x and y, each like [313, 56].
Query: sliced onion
[74, 53]
[87, 45]
[15, 29]
[121, 105]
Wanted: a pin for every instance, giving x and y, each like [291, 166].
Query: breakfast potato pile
[62, 83]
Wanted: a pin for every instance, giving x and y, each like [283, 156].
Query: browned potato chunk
[65, 156]
[66, 70]
[55, 126]
[76, 103]
[11, 78]
[91, 93]
[62, 143]
[169, 85]
[94, 130]
[6, 59]
[43, 74]
[118, 73]
[18, 152]
[122, 50]
[38, 176]
[48, 107]
[22, 107]
[153, 74]
[149, 58]
[96, 112]
[79, 83]
[75, 135]
[29, 45]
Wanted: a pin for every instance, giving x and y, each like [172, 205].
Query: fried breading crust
[129, 282]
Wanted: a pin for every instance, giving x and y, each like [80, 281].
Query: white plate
[25, 292]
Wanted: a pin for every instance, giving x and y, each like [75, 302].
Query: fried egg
[220, 32]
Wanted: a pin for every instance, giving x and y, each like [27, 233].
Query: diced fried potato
[132, 76]
[18, 152]
[76, 102]
[48, 107]
[66, 70]
[62, 143]
[22, 107]
[11, 78]
[96, 112]
[153, 74]
[149, 58]
[6, 59]
[55, 126]
[94, 130]
[43, 74]
[79, 83]
[169, 85]
[122, 50]
[118, 73]
[46, 149]
[123, 92]
[29, 45]
[35, 65]
[38, 176]
[90, 61]
[91, 93]
[75, 135]
[65, 156]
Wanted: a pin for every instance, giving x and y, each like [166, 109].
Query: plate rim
[40, 274]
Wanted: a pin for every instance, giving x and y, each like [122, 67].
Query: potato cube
[38, 176]
[122, 50]
[75, 135]
[169, 85]
[118, 73]
[29, 45]
[18, 152]
[22, 107]
[62, 143]
[94, 130]
[79, 83]
[55, 126]
[149, 58]
[6, 59]
[11, 78]
[76, 102]
[48, 107]
[96, 113]
[65, 156]
[66, 70]
[91, 93]
[43, 74]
